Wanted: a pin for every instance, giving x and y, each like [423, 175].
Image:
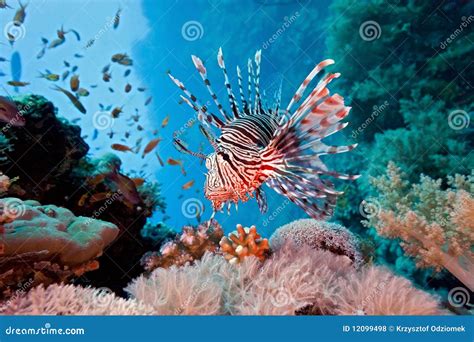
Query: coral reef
[396, 120]
[72, 300]
[55, 170]
[43, 152]
[157, 234]
[377, 291]
[187, 247]
[45, 244]
[319, 235]
[294, 280]
[243, 243]
[187, 290]
[436, 226]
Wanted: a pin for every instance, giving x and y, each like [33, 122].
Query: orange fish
[101, 196]
[74, 82]
[82, 200]
[138, 181]
[165, 121]
[121, 148]
[173, 162]
[150, 146]
[187, 185]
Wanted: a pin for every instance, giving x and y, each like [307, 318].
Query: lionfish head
[216, 189]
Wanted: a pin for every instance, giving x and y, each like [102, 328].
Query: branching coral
[72, 300]
[45, 244]
[189, 246]
[243, 243]
[435, 226]
[318, 235]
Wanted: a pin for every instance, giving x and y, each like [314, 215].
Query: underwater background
[406, 70]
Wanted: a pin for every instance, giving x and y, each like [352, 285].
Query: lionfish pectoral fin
[261, 198]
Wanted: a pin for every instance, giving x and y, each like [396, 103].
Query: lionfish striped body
[259, 145]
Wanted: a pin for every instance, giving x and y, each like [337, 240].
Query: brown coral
[47, 244]
[247, 242]
[189, 246]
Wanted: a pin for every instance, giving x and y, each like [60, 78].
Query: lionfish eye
[225, 156]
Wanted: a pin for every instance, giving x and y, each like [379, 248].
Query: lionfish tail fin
[293, 156]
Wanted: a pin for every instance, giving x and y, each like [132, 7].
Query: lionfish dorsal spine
[203, 72]
[232, 101]
[203, 116]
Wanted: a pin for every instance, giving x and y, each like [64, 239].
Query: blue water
[154, 35]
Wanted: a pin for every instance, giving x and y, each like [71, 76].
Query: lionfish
[260, 145]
